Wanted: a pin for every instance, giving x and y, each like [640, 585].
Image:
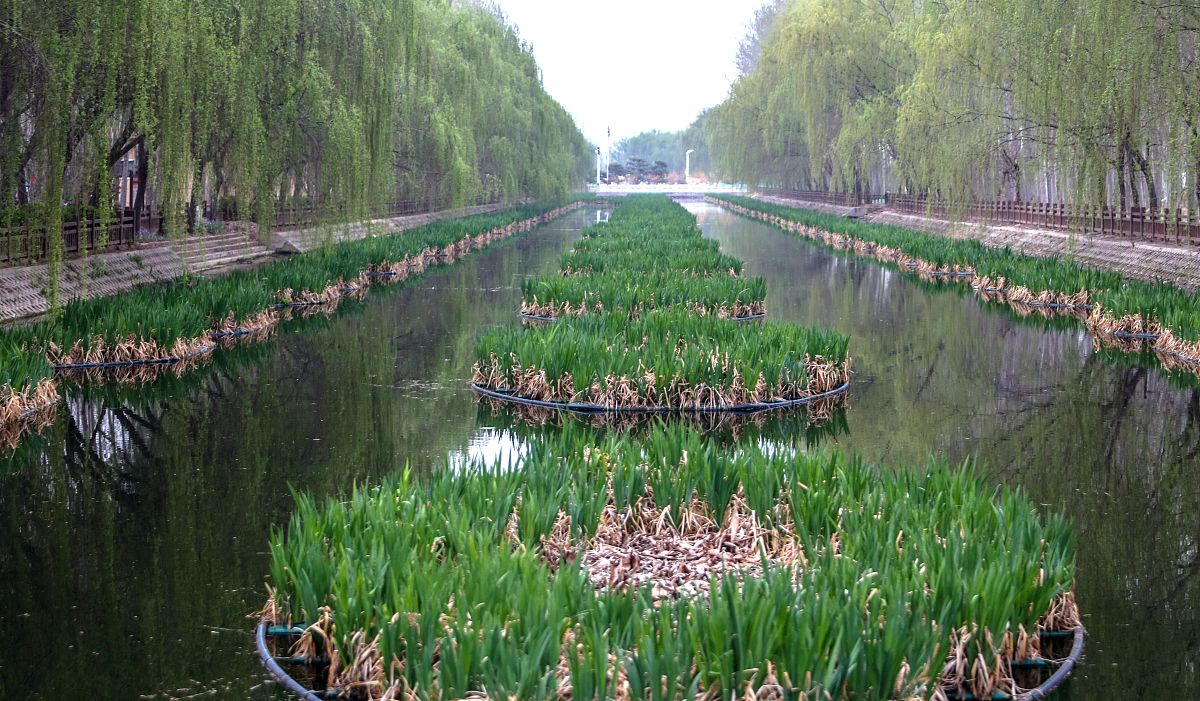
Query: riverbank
[180, 324]
[1138, 260]
[23, 289]
[1120, 313]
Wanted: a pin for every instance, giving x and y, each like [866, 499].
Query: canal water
[133, 531]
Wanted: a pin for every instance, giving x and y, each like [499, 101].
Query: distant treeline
[1094, 101]
[263, 103]
[668, 147]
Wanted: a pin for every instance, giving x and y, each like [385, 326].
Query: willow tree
[247, 105]
[1089, 100]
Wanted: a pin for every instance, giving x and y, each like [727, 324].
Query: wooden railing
[839, 199]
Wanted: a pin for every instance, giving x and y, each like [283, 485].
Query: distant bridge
[674, 190]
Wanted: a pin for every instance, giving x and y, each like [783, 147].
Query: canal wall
[1141, 260]
[23, 290]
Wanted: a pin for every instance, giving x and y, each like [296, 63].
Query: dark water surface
[132, 534]
[1115, 447]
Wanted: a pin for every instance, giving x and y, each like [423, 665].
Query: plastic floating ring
[1038, 693]
[552, 319]
[583, 408]
[170, 360]
[236, 333]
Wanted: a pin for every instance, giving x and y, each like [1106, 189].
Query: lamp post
[687, 164]
[597, 169]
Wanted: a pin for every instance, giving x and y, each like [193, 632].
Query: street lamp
[687, 164]
[597, 169]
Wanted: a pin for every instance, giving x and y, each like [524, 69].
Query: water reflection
[134, 528]
[1112, 444]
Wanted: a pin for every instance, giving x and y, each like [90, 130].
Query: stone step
[218, 250]
[208, 244]
[212, 263]
[231, 247]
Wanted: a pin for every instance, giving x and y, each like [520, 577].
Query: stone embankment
[1141, 260]
[23, 290]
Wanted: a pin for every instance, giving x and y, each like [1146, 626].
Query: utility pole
[608, 153]
[687, 164]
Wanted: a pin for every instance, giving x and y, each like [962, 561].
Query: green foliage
[634, 291]
[667, 147]
[188, 307]
[652, 282]
[648, 233]
[344, 106]
[1093, 101]
[895, 559]
[662, 352]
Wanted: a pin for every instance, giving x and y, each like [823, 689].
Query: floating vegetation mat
[635, 293]
[649, 255]
[672, 567]
[663, 361]
[133, 336]
[1121, 314]
[642, 311]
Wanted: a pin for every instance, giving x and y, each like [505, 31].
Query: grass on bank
[162, 314]
[1163, 303]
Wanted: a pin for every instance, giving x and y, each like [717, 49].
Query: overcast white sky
[634, 65]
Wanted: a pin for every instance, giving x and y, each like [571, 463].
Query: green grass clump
[649, 255]
[658, 335]
[648, 233]
[644, 291]
[666, 358]
[481, 580]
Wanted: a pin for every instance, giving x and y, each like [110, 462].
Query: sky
[634, 65]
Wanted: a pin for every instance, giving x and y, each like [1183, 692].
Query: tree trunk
[23, 187]
[1143, 164]
[1121, 169]
[143, 170]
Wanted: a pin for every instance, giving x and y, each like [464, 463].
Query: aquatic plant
[670, 567]
[648, 233]
[656, 337]
[649, 255]
[636, 292]
[662, 359]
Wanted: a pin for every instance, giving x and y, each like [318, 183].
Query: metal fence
[25, 244]
[1180, 226]
[29, 243]
[306, 215]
